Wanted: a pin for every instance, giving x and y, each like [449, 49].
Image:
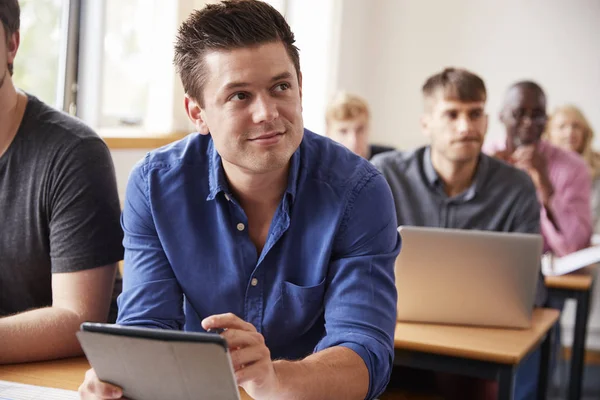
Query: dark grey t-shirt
[501, 198]
[59, 206]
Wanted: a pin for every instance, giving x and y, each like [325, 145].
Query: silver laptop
[467, 277]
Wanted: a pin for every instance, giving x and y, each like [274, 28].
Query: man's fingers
[227, 321]
[236, 338]
[93, 388]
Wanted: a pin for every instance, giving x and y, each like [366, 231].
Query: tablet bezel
[155, 334]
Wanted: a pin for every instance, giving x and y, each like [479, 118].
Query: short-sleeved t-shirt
[59, 206]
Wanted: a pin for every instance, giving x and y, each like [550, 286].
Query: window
[127, 56]
[37, 63]
[113, 60]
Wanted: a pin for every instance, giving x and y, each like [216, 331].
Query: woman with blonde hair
[568, 128]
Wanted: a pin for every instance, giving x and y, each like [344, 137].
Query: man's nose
[264, 109]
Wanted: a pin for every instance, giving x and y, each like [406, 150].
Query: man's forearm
[41, 334]
[335, 373]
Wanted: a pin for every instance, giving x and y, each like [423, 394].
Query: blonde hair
[345, 106]
[589, 155]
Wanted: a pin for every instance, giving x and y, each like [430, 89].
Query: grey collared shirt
[501, 197]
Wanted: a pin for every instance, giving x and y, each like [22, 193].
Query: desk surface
[575, 281]
[504, 346]
[61, 374]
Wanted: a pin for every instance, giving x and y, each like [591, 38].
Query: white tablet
[156, 364]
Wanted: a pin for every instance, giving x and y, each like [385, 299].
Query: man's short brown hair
[10, 15]
[454, 84]
[228, 25]
[345, 106]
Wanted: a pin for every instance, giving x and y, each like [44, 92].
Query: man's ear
[487, 121]
[196, 114]
[425, 121]
[13, 46]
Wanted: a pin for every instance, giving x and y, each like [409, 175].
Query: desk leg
[578, 348]
[506, 382]
[546, 348]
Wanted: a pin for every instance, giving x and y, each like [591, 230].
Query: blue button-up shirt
[324, 278]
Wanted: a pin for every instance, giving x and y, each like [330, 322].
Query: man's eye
[281, 87]
[239, 96]
[476, 114]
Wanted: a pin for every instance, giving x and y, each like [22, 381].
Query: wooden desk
[577, 286]
[61, 374]
[487, 353]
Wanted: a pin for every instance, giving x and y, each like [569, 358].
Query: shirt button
[227, 197]
[240, 227]
[254, 282]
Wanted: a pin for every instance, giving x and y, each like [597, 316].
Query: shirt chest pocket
[298, 308]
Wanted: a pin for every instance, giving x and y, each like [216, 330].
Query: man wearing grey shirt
[60, 238]
[452, 184]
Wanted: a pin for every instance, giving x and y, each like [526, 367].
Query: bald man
[561, 178]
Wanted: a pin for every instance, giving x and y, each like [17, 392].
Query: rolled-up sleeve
[360, 302]
[151, 295]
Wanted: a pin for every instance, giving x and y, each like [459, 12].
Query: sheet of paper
[552, 265]
[18, 391]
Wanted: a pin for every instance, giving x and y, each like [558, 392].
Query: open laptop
[467, 277]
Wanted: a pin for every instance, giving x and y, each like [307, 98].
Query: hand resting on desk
[250, 357]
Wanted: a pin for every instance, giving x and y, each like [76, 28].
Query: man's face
[524, 115]
[456, 129]
[252, 107]
[352, 133]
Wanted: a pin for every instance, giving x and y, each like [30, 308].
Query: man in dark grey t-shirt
[60, 237]
[452, 184]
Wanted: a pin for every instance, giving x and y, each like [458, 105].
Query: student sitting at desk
[260, 227]
[561, 177]
[348, 122]
[60, 238]
[452, 184]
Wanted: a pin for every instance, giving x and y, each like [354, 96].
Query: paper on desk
[18, 391]
[553, 266]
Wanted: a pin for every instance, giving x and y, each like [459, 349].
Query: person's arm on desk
[336, 372]
[84, 239]
[48, 333]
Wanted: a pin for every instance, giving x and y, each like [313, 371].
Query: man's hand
[534, 163]
[94, 389]
[250, 356]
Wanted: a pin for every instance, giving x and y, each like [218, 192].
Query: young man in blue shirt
[260, 227]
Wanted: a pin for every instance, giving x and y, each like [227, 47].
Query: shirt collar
[478, 180]
[432, 176]
[217, 182]
[216, 174]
